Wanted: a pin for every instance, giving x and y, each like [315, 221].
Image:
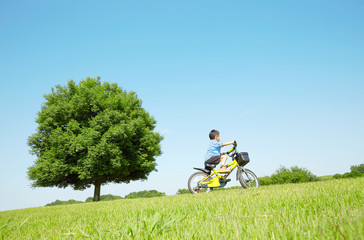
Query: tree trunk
[97, 191]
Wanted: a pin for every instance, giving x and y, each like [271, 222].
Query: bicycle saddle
[209, 166]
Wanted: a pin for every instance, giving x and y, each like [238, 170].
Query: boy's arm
[228, 143]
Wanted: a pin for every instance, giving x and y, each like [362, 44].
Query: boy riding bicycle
[213, 154]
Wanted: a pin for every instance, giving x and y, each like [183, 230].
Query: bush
[265, 180]
[182, 191]
[292, 175]
[59, 202]
[107, 197]
[359, 168]
[356, 171]
[337, 176]
[145, 194]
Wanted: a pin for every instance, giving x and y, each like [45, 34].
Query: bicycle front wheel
[193, 183]
[248, 179]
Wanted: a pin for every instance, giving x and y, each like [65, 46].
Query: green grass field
[331, 209]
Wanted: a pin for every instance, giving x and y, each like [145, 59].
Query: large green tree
[92, 133]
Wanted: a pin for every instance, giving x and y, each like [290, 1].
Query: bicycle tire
[248, 179]
[191, 183]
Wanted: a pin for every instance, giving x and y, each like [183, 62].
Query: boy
[213, 154]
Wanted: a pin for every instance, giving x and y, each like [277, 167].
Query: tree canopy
[92, 133]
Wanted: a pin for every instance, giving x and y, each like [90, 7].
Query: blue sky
[283, 78]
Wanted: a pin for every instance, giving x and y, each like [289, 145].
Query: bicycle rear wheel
[193, 183]
[248, 179]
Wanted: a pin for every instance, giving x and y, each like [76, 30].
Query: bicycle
[209, 178]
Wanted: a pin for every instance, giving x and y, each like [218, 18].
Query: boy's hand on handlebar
[228, 143]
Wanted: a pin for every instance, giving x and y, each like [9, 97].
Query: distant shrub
[352, 174]
[145, 194]
[359, 168]
[59, 202]
[265, 180]
[337, 176]
[183, 191]
[292, 175]
[356, 171]
[106, 197]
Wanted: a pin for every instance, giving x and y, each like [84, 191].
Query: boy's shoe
[224, 170]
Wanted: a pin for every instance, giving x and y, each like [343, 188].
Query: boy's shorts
[213, 160]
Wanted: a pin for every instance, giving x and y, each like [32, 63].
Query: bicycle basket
[242, 158]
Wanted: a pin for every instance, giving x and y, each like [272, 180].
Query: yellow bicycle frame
[214, 181]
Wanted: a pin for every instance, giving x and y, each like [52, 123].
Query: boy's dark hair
[213, 134]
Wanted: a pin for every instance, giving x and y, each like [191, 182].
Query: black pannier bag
[242, 158]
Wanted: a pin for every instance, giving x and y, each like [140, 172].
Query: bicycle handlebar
[231, 150]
